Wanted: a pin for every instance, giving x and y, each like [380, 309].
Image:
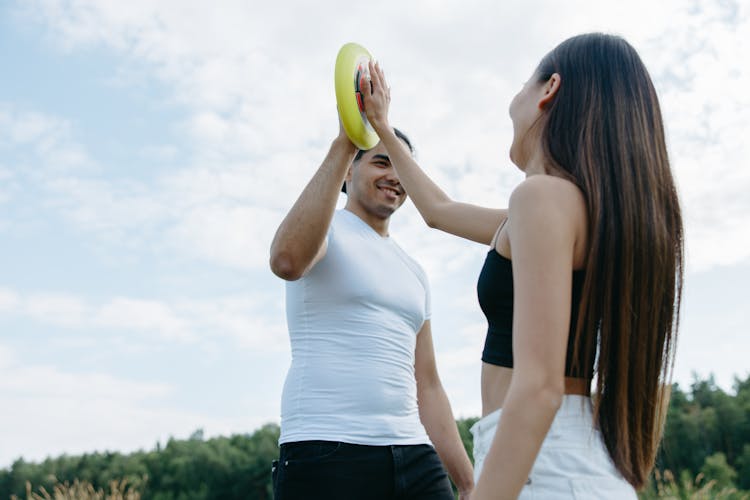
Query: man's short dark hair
[361, 152]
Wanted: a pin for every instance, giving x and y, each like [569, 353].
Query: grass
[666, 486]
[82, 490]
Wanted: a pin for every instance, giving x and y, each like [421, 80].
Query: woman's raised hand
[378, 99]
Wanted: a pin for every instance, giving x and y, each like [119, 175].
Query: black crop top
[495, 291]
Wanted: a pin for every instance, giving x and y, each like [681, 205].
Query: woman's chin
[515, 158]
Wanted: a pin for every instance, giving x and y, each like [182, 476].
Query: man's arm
[299, 242]
[437, 416]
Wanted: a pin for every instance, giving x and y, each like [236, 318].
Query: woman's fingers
[381, 75]
[377, 101]
[373, 75]
[376, 76]
[383, 83]
[378, 81]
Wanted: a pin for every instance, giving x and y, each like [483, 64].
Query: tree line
[705, 451]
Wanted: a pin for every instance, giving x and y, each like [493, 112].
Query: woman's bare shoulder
[548, 192]
[550, 212]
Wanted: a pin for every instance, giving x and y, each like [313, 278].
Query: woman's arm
[437, 208]
[542, 232]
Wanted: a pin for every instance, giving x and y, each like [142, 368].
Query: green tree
[718, 470]
[464, 426]
[743, 468]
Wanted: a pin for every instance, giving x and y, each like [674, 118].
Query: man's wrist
[465, 494]
[465, 481]
[343, 144]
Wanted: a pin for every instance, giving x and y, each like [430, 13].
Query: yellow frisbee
[350, 79]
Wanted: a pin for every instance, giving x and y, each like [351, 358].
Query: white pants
[573, 461]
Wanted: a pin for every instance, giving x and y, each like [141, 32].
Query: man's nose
[392, 176]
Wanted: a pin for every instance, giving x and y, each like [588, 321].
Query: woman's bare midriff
[496, 381]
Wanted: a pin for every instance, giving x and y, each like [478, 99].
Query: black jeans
[330, 470]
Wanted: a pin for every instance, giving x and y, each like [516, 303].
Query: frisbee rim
[359, 131]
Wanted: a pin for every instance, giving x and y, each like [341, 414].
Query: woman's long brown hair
[604, 131]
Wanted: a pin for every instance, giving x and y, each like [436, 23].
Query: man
[363, 403]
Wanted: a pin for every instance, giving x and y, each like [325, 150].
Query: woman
[582, 282]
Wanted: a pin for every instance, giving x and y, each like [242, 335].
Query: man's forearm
[437, 418]
[303, 230]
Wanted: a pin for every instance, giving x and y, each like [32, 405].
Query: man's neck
[378, 224]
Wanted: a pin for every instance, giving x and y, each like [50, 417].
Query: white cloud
[713, 328]
[28, 127]
[253, 92]
[144, 315]
[49, 138]
[63, 310]
[235, 236]
[197, 213]
[116, 209]
[6, 357]
[8, 186]
[226, 215]
[74, 312]
[57, 411]
[252, 321]
[696, 67]
[8, 299]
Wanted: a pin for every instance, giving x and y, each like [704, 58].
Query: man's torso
[353, 321]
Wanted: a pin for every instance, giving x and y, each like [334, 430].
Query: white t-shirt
[353, 323]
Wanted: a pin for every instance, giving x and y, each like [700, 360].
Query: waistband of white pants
[573, 406]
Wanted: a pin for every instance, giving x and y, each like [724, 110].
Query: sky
[149, 150]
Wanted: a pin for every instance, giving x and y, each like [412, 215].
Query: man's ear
[549, 90]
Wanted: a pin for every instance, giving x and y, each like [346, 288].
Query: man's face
[374, 184]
